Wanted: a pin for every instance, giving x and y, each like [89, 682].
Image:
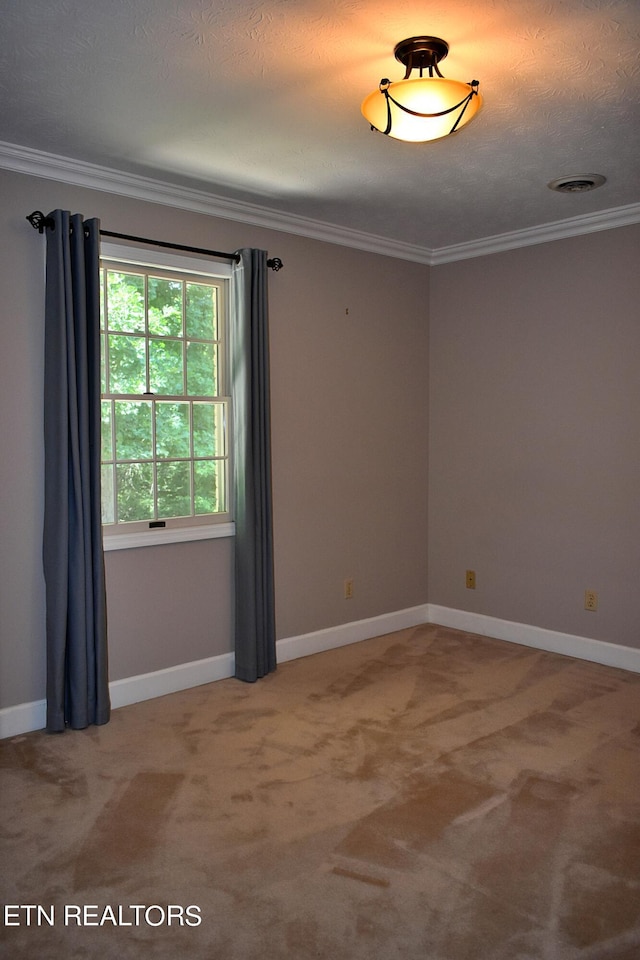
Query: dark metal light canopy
[422, 107]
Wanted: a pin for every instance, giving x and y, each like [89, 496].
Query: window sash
[185, 469]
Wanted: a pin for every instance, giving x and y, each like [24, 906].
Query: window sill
[151, 538]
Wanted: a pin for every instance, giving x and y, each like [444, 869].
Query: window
[165, 403]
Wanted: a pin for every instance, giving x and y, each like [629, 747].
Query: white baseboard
[26, 717]
[583, 648]
[293, 647]
[183, 676]
[23, 718]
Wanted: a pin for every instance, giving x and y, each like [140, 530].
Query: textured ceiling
[260, 102]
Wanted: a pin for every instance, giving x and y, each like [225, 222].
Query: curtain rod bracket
[38, 221]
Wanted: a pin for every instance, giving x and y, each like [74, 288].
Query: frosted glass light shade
[430, 95]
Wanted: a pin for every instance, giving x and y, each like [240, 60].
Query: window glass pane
[165, 367]
[106, 479]
[201, 311]
[165, 306]
[174, 489]
[133, 430]
[172, 430]
[125, 301]
[201, 370]
[135, 491]
[106, 436]
[205, 429]
[127, 372]
[209, 490]
[164, 452]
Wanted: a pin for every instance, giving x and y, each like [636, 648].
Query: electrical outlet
[471, 579]
[590, 600]
[348, 589]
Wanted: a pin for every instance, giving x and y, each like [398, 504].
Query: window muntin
[165, 408]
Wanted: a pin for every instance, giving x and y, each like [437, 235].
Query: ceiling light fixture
[421, 108]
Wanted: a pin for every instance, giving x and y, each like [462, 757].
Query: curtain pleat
[255, 646]
[73, 560]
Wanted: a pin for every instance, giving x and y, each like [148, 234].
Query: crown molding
[558, 230]
[79, 173]
[94, 177]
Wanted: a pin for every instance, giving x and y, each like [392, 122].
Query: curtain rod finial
[275, 263]
[38, 221]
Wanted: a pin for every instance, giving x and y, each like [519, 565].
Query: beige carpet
[428, 795]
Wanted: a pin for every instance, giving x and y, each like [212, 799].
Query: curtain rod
[38, 221]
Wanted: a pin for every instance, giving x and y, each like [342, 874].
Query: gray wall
[349, 420]
[527, 402]
[535, 434]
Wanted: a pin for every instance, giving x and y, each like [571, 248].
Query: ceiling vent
[579, 183]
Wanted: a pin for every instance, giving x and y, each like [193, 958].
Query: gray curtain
[77, 676]
[255, 646]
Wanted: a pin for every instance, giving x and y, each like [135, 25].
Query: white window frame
[175, 530]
